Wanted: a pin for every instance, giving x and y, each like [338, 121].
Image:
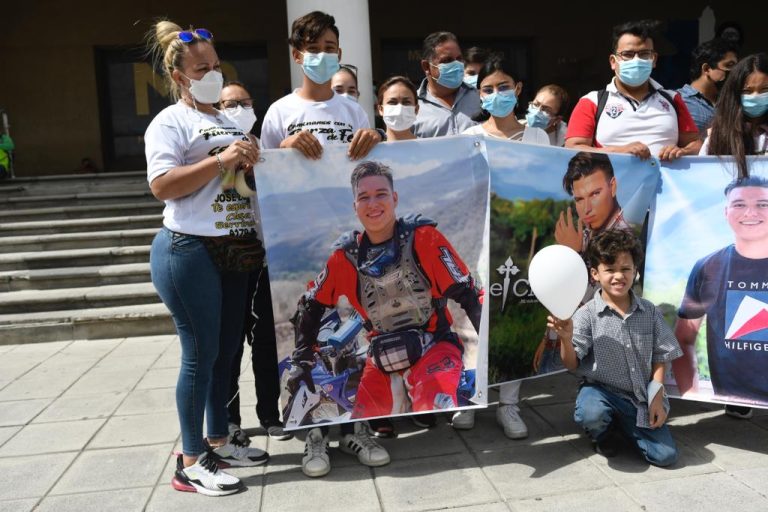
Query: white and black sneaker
[316, 462]
[368, 451]
[204, 477]
[236, 453]
[235, 432]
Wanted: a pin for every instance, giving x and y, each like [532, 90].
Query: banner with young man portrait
[707, 267]
[540, 196]
[377, 278]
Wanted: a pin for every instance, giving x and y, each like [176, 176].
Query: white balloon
[558, 278]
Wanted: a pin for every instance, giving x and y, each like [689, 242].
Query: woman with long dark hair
[740, 125]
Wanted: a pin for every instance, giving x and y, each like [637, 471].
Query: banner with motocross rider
[375, 274]
[707, 269]
[542, 195]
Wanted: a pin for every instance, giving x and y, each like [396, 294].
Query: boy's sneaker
[608, 445]
[204, 477]
[368, 451]
[424, 420]
[316, 461]
[275, 431]
[508, 418]
[463, 420]
[238, 454]
[736, 411]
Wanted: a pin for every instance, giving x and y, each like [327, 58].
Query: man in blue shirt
[710, 63]
[446, 103]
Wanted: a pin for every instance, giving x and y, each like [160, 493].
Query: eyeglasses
[630, 54]
[542, 108]
[187, 36]
[245, 103]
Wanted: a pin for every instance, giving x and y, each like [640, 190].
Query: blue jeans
[597, 407]
[207, 308]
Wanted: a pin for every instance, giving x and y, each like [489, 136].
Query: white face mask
[348, 96]
[208, 89]
[399, 117]
[243, 117]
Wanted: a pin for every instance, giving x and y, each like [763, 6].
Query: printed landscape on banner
[540, 196]
[365, 364]
[707, 267]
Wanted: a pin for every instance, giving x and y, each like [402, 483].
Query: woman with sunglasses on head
[344, 82]
[498, 93]
[200, 258]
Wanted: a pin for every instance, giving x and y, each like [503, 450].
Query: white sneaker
[368, 451]
[463, 420]
[316, 461]
[508, 418]
[204, 477]
[235, 453]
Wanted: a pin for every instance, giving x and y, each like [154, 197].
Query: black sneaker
[276, 431]
[608, 445]
[383, 428]
[424, 420]
[737, 411]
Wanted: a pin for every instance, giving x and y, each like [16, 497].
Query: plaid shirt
[701, 109]
[618, 353]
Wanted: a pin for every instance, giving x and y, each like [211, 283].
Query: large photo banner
[371, 320]
[707, 267]
[542, 195]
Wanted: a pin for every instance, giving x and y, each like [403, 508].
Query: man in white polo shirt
[634, 114]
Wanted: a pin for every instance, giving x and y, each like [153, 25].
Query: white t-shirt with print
[529, 135]
[333, 122]
[180, 135]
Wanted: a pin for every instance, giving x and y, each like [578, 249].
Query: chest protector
[401, 298]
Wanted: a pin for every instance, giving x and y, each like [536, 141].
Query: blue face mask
[536, 118]
[471, 80]
[635, 72]
[451, 74]
[500, 104]
[320, 67]
[755, 105]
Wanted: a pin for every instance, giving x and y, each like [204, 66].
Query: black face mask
[720, 84]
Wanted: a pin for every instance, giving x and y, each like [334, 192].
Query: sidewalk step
[26, 301]
[73, 277]
[115, 322]
[74, 183]
[64, 241]
[80, 225]
[75, 258]
[76, 199]
[81, 212]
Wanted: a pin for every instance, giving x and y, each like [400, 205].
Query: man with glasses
[634, 114]
[710, 64]
[446, 104]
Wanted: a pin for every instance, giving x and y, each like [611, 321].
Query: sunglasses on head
[187, 36]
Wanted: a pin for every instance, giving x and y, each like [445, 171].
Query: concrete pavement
[91, 425]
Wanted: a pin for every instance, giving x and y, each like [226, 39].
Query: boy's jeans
[597, 407]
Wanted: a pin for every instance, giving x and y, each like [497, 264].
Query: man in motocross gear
[398, 275]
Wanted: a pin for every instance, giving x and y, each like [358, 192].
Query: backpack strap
[602, 99]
